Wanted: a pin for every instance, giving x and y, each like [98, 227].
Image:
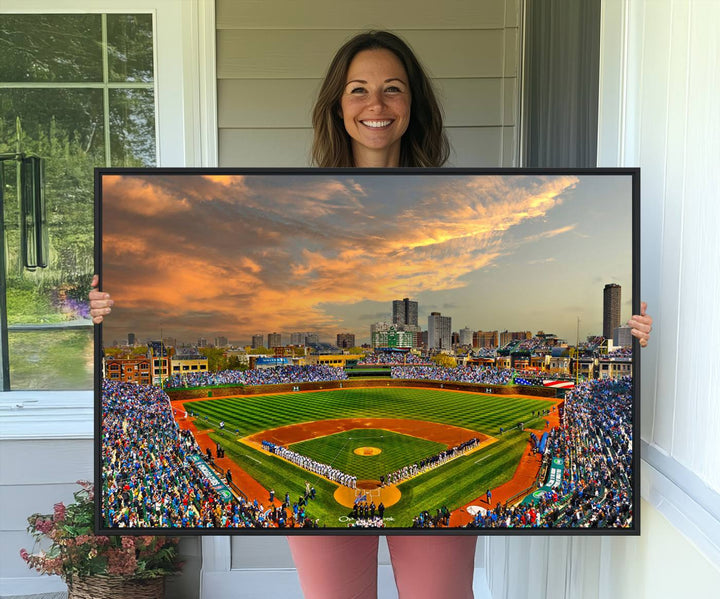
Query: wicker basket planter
[116, 587]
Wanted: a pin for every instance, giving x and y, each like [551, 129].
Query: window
[77, 90]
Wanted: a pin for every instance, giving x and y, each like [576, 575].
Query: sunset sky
[235, 255]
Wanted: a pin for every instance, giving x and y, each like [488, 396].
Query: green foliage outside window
[79, 103]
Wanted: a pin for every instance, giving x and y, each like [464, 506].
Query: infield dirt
[432, 431]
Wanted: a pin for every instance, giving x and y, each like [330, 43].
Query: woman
[377, 108]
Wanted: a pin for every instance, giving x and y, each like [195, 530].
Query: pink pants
[425, 567]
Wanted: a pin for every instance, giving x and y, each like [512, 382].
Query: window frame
[180, 29]
[186, 135]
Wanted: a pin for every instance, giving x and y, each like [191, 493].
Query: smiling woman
[375, 78]
[375, 108]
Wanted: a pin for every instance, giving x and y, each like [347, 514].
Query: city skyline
[233, 256]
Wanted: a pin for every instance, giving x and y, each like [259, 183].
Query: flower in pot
[98, 566]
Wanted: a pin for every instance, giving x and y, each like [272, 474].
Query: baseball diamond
[404, 427]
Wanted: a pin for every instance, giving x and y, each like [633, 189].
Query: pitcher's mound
[388, 494]
[367, 450]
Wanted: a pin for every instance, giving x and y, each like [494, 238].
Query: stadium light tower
[577, 353]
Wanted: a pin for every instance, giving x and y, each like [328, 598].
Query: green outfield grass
[452, 485]
[397, 450]
[484, 413]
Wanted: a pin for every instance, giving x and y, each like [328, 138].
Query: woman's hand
[100, 302]
[641, 325]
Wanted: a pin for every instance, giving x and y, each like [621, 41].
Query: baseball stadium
[303, 447]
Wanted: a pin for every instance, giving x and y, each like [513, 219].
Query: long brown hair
[423, 144]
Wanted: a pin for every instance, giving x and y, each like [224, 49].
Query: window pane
[51, 360]
[132, 127]
[50, 48]
[66, 127]
[54, 121]
[130, 45]
[53, 295]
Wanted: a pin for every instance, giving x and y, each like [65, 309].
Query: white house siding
[271, 57]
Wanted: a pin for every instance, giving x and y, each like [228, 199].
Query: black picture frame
[108, 226]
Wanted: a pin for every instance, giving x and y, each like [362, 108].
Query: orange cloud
[226, 180]
[269, 283]
[139, 196]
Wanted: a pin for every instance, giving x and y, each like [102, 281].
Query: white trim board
[690, 506]
[41, 415]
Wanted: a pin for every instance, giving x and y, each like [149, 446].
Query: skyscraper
[257, 341]
[274, 340]
[611, 309]
[508, 336]
[622, 336]
[466, 336]
[485, 339]
[345, 340]
[297, 338]
[405, 312]
[439, 331]
[131, 339]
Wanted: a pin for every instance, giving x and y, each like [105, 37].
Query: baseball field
[368, 433]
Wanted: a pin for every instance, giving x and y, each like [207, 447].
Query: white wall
[658, 110]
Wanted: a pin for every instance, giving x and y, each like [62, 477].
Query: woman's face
[375, 107]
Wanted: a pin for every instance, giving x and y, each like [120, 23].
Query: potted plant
[94, 567]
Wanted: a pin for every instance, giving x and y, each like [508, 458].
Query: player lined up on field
[307, 463]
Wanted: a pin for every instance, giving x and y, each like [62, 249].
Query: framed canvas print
[318, 351]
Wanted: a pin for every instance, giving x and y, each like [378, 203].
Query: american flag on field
[558, 384]
[360, 498]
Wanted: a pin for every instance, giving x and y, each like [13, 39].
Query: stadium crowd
[595, 442]
[392, 358]
[257, 376]
[470, 374]
[485, 352]
[461, 374]
[147, 478]
[619, 352]
[425, 519]
[414, 368]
